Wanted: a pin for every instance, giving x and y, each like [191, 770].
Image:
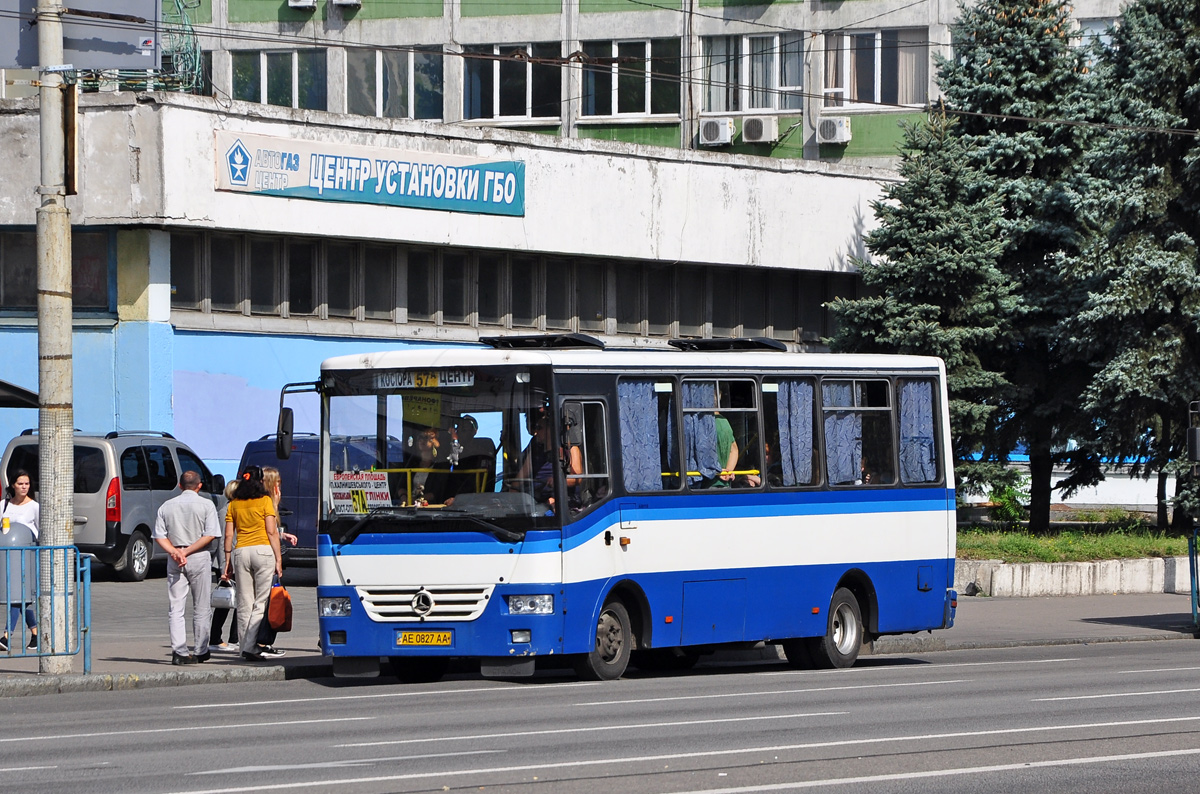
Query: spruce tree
[1017, 82]
[935, 288]
[1148, 297]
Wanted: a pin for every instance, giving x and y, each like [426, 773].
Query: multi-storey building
[354, 175]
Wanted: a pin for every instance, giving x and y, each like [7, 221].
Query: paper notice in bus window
[359, 491]
[424, 379]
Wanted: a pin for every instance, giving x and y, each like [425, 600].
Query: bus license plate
[425, 638]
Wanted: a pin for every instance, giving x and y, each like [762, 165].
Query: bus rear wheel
[843, 634]
[419, 669]
[609, 656]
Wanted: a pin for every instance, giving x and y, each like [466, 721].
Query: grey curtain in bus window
[700, 431]
[918, 461]
[795, 409]
[640, 456]
[843, 435]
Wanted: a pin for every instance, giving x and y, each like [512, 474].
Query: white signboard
[359, 492]
[292, 168]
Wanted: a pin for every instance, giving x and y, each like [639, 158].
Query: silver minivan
[121, 479]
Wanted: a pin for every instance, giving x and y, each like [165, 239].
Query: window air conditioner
[305, 4]
[716, 132]
[348, 3]
[760, 129]
[833, 129]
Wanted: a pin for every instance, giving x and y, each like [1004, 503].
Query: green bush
[1009, 503]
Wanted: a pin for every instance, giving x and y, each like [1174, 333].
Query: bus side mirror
[1193, 442]
[283, 434]
[218, 483]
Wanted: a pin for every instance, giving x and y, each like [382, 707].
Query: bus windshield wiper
[506, 535]
[378, 512]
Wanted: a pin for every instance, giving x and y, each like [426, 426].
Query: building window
[295, 79]
[456, 293]
[491, 280]
[422, 275]
[512, 81]
[185, 272]
[629, 309]
[754, 72]
[693, 305]
[558, 294]
[379, 283]
[264, 277]
[89, 270]
[524, 289]
[631, 77]
[341, 280]
[890, 67]
[302, 279]
[398, 84]
[223, 269]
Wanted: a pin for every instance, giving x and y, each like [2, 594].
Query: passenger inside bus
[537, 464]
[472, 459]
[428, 468]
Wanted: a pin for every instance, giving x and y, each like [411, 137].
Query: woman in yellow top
[251, 520]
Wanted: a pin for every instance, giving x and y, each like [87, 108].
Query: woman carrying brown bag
[251, 521]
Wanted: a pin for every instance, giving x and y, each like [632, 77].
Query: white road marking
[347, 762]
[596, 728]
[1159, 670]
[624, 761]
[1116, 695]
[914, 667]
[965, 770]
[25, 768]
[220, 727]
[283, 701]
[770, 692]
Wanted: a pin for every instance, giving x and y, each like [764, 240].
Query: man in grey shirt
[185, 526]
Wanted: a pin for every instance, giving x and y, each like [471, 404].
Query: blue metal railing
[24, 597]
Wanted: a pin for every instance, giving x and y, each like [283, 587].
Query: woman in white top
[19, 508]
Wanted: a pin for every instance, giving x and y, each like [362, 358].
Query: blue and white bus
[552, 497]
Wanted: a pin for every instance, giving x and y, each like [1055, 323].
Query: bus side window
[720, 431]
[918, 442]
[858, 432]
[585, 430]
[647, 422]
[790, 451]
[739, 404]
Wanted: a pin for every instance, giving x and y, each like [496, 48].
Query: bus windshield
[436, 450]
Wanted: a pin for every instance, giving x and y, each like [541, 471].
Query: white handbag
[223, 596]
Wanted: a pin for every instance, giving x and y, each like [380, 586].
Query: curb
[893, 645]
[21, 686]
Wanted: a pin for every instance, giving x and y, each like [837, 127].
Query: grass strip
[1068, 545]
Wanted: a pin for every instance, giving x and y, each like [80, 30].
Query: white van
[121, 479]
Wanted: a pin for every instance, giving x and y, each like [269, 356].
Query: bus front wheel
[843, 634]
[610, 654]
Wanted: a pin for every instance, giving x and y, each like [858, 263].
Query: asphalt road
[1109, 717]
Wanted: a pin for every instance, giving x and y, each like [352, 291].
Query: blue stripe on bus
[655, 507]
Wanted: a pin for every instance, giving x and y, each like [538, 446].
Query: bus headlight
[530, 604]
[333, 607]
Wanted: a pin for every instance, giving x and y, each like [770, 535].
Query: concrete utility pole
[56, 413]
